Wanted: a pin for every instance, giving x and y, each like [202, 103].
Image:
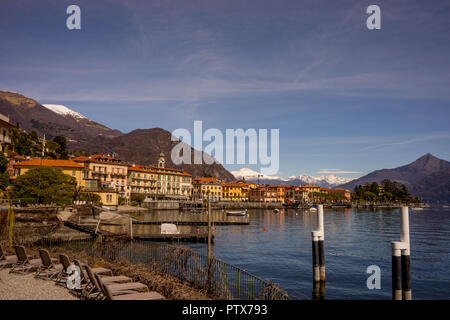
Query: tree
[61, 148]
[137, 199]
[4, 174]
[45, 185]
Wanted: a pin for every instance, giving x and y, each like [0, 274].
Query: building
[5, 126]
[207, 188]
[311, 190]
[109, 171]
[159, 182]
[246, 187]
[295, 194]
[232, 191]
[280, 192]
[68, 167]
[109, 197]
[263, 194]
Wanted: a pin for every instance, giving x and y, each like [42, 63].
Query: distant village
[114, 181]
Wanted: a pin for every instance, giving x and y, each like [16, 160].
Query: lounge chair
[24, 264]
[6, 261]
[116, 288]
[88, 287]
[128, 295]
[48, 270]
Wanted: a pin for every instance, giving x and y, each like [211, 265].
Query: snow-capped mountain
[323, 181]
[64, 111]
[249, 174]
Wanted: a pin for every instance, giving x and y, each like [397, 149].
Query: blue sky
[343, 97]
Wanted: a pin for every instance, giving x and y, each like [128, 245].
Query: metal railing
[224, 280]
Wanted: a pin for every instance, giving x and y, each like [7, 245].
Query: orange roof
[232, 184]
[205, 180]
[140, 168]
[309, 186]
[48, 163]
[99, 158]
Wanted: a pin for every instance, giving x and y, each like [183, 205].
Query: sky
[346, 99]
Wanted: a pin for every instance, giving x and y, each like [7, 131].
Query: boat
[237, 213]
[169, 228]
[416, 208]
[313, 209]
[276, 211]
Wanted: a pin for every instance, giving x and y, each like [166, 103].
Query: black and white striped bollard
[397, 248]
[321, 243]
[405, 259]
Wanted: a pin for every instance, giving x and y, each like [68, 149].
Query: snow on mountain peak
[330, 180]
[64, 111]
[249, 174]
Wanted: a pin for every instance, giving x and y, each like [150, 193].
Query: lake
[354, 240]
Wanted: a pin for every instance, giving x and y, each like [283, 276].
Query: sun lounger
[88, 288]
[24, 264]
[47, 270]
[118, 289]
[127, 295]
[6, 261]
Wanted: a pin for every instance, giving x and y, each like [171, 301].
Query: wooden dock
[88, 228]
[184, 237]
[194, 223]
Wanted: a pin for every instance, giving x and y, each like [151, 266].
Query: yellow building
[109, 171]
[246, 188]
[108, 197]
[232, 191]
[68, 167]
[159, 182]
[207, 188]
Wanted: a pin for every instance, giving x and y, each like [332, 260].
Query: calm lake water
[354, 240]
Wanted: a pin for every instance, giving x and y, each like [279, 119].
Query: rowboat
[237, 213]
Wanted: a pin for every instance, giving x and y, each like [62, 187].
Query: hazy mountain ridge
[428, 178]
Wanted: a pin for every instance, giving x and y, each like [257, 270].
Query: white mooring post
[321, 243]
[318, 252]
[401, 262]
[405, 260]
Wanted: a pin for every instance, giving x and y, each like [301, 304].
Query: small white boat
[313, 209]
[169, 228]
[276, 211]
[237, 213]
[416, 208]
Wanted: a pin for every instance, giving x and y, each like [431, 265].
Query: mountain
[141, 146]
[64, 111]
[428, 178]
[323, 181]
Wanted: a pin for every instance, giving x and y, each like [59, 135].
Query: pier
[183, 237]
[194, 223]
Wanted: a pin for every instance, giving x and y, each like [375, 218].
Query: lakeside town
[107, 180]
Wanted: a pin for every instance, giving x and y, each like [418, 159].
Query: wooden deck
[194, 223]
[184, 237]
